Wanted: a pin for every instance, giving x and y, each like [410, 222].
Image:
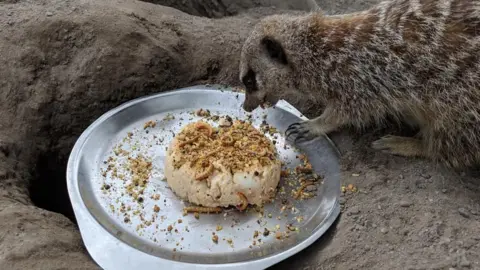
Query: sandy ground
[64, 63]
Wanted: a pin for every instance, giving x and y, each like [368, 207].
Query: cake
[232, 165]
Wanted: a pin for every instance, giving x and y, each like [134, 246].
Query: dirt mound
[64, 63]
[75, 62]
[223, 8]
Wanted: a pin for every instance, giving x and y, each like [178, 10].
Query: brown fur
[417, 60]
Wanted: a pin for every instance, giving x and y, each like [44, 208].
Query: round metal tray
[121, 233]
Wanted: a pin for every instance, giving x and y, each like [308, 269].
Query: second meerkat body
[411, 59]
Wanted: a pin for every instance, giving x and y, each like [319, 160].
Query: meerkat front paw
[302, 131]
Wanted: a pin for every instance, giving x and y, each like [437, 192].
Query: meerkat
[415, 60]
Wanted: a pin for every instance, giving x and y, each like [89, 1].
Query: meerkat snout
[250, 82]
[264, 69]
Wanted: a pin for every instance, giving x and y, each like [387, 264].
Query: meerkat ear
[275, 50]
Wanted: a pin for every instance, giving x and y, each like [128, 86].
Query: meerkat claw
[292, 132]
[299, 132]
[292, 129]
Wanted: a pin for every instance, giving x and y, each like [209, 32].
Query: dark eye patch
[250, 81]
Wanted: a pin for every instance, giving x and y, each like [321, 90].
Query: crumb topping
[238, 147]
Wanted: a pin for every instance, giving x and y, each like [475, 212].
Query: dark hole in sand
[48, 189]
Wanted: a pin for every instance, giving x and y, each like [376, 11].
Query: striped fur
[413, 59]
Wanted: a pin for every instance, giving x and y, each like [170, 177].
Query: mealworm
[302, 187]
[244, 199]
[182, 144]
[205, 174]
[202, 209]
[202, 125]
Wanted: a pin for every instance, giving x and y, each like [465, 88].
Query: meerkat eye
[250, 81]
[275, 50]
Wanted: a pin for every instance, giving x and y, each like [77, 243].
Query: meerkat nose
[247, 108]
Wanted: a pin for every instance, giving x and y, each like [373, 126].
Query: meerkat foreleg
[400, 146]
[311, 129]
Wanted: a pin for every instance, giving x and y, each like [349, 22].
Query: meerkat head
[267, 68]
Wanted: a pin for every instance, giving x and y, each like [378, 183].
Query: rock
[382, 199]
[420, 184]
[405, 203]
[469, 243]
[463, 212]
[49, 13]
[359, 227]
[445, 240]
[426, 176]
[464, 262]
[353, 211]
[227, 121]
[384, 230]
[342, 201]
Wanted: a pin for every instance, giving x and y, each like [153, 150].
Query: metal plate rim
[85, 221]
